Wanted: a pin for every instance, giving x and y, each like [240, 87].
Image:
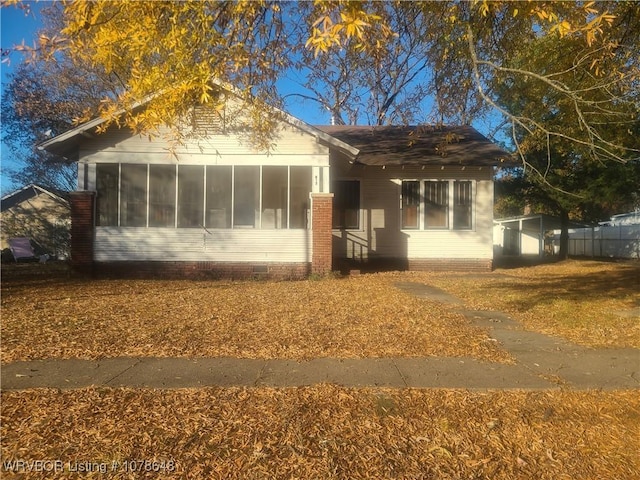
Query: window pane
[107, 194]
[274, 197]
[162, 195]
[218, 197]
[436, 204]
[190, 196]
[133, 195]
[246, 196]
[299, 202]
[346, 204]
[462, 207]
[410, 203]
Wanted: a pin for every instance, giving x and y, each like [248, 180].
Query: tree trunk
[564, 235]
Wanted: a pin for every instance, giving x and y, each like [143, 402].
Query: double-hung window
[411, 204]
[437, 204]
[346, 204]
[462, 205]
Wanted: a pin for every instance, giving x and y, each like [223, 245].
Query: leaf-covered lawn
[591, 303]
[325, 432]
[53, 316]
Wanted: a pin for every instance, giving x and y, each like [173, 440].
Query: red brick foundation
[203, 270]
[451, 264]
[321, 223]
[82, 221]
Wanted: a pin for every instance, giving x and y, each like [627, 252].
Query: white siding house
[419, 197]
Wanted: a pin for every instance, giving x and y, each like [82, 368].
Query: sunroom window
[246, 199]
[190, 195]
[274, 197]
[219, 197]
[162, 195]
[213, 196]
[107, 183]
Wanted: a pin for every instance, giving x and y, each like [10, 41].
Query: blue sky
[15, 27]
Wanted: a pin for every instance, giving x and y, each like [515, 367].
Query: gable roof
[419, 145]
[31, 191]
[66, 143]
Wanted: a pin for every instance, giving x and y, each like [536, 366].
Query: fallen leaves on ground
[355, 317]
[325, 432]
[583, 301]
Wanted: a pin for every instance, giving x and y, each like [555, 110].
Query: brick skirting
[451, 264]
[203, 270]
[385, 264]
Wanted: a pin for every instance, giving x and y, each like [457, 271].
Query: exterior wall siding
[293, 147]
[197, 245]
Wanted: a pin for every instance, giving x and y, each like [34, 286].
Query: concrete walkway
[541, 362]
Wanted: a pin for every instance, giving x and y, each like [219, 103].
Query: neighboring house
[421, 197]
[631, 218]
[41, 214]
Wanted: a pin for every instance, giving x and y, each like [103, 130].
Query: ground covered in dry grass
[53, 315]
[592, 303]
[324, 432]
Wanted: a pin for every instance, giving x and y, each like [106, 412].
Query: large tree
[45, 98]
[456, 53]
[577, 133]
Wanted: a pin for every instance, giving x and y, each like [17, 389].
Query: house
[39, 213]
[418, 196]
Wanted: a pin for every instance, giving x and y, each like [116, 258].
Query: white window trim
[92, 180]
[450, 207]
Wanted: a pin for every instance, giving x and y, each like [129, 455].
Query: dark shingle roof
[419, 145]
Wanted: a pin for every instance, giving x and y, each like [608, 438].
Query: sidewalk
[595, 369]
[541, 362]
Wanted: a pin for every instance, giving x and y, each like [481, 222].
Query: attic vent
[207, 120]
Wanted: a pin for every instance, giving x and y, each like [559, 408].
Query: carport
[524, 235]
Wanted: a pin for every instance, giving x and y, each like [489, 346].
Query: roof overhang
[420, 145]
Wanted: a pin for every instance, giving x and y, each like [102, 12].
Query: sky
[15, 27]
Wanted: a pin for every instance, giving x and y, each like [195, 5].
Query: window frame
[404, 205]
[452, 223]
[470, 206]
[337, 197]
[285, 202]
